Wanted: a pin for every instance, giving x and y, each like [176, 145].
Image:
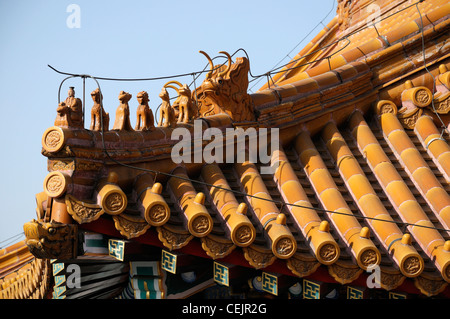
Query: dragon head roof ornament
[224, 90]
[52, 240]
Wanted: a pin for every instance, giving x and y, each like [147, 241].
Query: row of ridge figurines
[70, 112]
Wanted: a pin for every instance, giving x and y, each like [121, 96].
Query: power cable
[301, 41]
[346, 37]
[267, 74]
[444, 127]
[249, 195]
[8, 241]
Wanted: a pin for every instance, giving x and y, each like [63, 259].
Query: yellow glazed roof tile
[390, 28]
[421, 174]
[360, 177]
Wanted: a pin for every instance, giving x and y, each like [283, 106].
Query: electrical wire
[346, 37]
[444, 127]
[166, 77]
[282, 203]
[267, 74]
[255, 77]
[13, 239]
[303, 39]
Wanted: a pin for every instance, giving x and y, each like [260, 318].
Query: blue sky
[121, 39]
